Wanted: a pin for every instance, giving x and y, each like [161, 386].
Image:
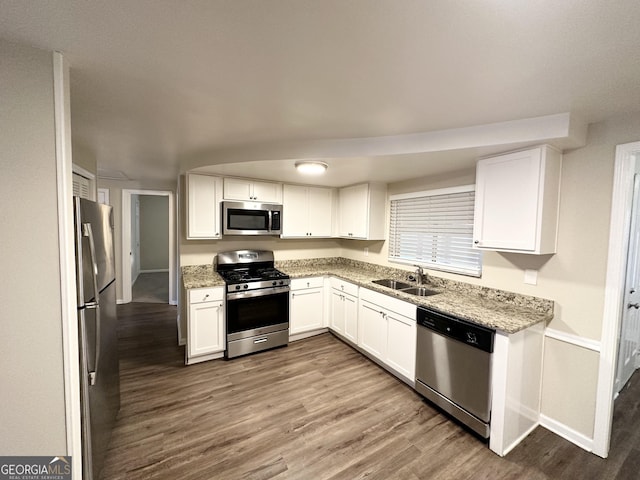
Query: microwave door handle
[87, 232]
[270, 228]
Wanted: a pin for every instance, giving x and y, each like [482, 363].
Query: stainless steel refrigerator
[97, 330]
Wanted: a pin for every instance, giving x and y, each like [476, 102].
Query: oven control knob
[274, 283]
[237, 287]
[245, 286]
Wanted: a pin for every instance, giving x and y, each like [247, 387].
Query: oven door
[257, 313]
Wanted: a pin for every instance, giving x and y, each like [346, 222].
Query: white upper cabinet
[251, 190]
[362, 211]
[517, 199]
[204, 194]
[307, 212]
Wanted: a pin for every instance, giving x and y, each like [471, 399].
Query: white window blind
[435, 229]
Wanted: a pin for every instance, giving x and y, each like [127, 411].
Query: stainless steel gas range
[257, 313]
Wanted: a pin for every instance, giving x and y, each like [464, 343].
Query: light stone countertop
[505, 311]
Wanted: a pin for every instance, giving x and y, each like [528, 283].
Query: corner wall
[32, 417]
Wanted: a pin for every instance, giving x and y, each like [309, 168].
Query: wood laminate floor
[316, 409]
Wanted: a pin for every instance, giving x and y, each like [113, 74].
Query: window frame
[460, 270]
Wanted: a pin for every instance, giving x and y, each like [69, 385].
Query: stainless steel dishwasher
[453, 367]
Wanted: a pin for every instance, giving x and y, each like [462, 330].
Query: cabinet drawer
[344, 286]
[309, 282]
[385, 301]
[201, 295]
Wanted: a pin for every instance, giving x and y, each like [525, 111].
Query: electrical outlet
[366, 251]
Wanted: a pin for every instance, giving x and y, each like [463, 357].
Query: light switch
[531, 277]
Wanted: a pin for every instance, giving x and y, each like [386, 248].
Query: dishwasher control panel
[456, 328]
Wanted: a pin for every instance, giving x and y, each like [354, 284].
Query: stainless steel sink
[390, 283]
[420, 291]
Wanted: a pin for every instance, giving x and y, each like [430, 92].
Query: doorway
[148, 247]
[629, 338]
[627, 164]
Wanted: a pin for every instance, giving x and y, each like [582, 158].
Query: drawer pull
[260, 340]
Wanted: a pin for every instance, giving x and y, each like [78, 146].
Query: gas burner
[257, 273]
[270, 273]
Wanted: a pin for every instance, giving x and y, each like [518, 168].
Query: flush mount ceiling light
[311, 167]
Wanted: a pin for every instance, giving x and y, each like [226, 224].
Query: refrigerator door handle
[87, 232]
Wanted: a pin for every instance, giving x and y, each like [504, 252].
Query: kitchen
[574, 278]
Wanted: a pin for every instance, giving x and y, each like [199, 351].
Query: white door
[320, 212]
[306, 310]
[337, 311]
[296, 214]
[630, 329]
[402, 335]
[206, 328]
[372, 329]
[350, 314]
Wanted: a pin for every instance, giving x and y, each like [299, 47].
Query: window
[435, 229]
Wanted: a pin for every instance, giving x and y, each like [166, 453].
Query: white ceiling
[155, 82]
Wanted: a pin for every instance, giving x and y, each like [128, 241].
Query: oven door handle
[257, 293]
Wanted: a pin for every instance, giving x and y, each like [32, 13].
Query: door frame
[626, 161]
[126, 242]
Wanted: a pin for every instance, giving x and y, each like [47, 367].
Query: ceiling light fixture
[311, 167]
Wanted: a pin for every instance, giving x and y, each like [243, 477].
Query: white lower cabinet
[344, 309]
[401, 344]
[387, 331]
[205, 324]
[306, 307]
[373, 329]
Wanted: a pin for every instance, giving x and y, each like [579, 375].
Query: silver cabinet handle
[634, 305]
[260, 340]
[476, 242]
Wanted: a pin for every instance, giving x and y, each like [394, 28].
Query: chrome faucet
[419, 273]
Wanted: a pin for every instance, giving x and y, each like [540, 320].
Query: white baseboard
[519, 439]
[157, 270]
[567, 433]
[120, 301]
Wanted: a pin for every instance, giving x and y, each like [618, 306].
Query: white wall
[32, 415]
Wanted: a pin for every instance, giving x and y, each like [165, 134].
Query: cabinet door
[401, 344]
[204, 194]
[320, 211]
[354, 211]
[306, 310]
[205, 328]
[295, 212]
[350, 315]
[237, 189]
[372, 329]
[508, 190]
[337, 312]
[267, 192]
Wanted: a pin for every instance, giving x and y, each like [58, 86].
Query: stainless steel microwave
[251, 218]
